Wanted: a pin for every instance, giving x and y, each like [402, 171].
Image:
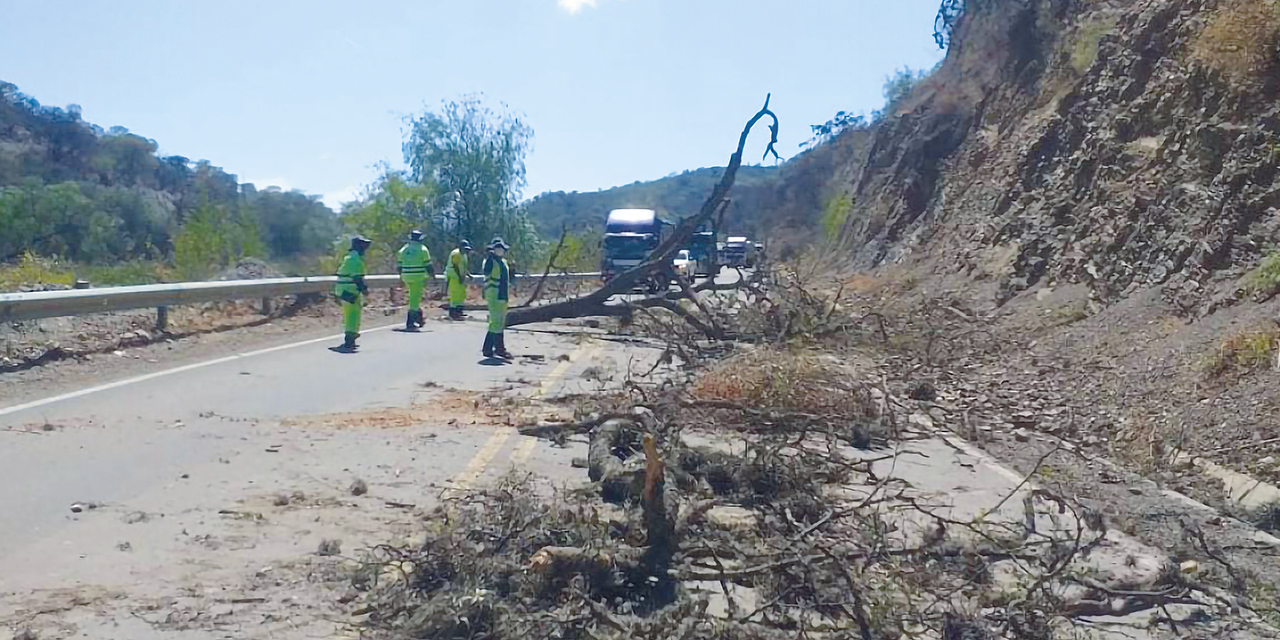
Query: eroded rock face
[1026, 160]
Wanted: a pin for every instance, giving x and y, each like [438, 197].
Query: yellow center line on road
[475, 468]
[483, 458]
[524, 451]
[585, 351]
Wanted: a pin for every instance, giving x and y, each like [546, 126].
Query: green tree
[72, 190]
[474, 157]
[390, 208]
[214, 237]
[896, 89]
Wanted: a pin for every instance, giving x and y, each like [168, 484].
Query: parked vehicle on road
[703, 252]
[738, 252]
[682, 263]
[630, 235]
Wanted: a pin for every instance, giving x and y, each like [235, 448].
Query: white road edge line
[168, 372]
[1009, 474]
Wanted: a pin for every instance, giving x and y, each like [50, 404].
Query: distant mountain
[674, 197]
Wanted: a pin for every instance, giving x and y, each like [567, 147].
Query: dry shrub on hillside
[783, 379]
[1242, 351]
[798, 390]
[1240, 40]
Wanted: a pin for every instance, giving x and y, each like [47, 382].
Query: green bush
[1085, 49]
[835, 215]
[1265, 278]
[213, 238]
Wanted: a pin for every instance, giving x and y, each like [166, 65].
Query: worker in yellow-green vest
[350, 291]
[413, 263]
[497, 281]
[456, 274]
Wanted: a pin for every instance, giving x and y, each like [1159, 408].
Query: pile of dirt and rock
[1078, 218]
[249, 269]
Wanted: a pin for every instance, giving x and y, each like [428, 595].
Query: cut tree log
[619, 481]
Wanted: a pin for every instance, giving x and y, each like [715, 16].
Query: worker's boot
[409, 321]
[349, 342]
[455, 313]
[488, 345]
[500, 348]
[422, 318]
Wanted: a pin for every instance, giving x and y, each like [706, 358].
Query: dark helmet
[416, 234]
[497, 242]
[466, 246]
[360, 243]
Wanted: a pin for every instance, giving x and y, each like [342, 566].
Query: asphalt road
[115, 442]
[180, 446]
[186, 468]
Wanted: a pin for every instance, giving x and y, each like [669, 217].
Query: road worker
[456, 274]
[497, 281]
[413, 263]
[350, 291]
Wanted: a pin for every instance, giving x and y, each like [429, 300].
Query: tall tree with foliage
[389, 209]
[474, 158]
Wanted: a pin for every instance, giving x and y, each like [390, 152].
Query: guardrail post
[266, 306]
[162, 318]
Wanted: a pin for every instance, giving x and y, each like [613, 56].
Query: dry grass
[791, 380]
[1240, 40]
[33, 270]
[1143, 443]
[1243, 351]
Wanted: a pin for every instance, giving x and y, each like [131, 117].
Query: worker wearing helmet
[456, 275]
[413, 263]
[350, 291]
[497, 280]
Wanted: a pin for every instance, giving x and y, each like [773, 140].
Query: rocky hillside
[1112, 143]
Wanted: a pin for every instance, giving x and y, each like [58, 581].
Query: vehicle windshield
[627, 247]
[683, 255]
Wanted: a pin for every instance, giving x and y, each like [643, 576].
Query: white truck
[739, 252]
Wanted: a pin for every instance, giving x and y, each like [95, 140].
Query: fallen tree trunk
[595, 303]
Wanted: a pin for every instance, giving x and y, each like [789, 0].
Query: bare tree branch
[594, 303]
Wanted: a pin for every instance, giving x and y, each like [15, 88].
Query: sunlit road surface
[175, 475]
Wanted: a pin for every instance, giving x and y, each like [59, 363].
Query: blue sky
[311, 94]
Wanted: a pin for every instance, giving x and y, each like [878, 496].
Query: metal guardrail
[52, 304]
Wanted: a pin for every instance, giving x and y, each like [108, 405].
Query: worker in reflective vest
[413, 262]
[497, 281]
[350, 291]
[456, 274]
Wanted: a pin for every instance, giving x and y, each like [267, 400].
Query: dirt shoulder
[1108, 405]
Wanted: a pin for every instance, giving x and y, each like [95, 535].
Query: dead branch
[551, 261]
[594, 303]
